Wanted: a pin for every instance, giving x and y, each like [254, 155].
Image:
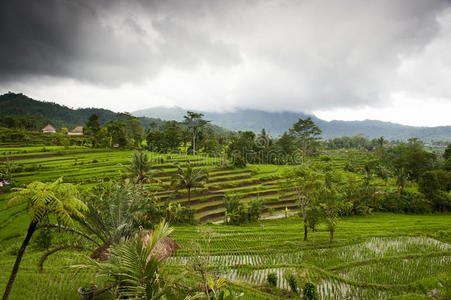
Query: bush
[292, 283]
[239, 213]
[310, 292]
[233, 208]
[186, 216]
[272, 279]
[43, 240]
[238, 161]
[255, 209]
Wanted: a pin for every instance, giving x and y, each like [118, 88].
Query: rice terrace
[378, 251]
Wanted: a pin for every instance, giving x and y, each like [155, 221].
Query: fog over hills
[278, 122]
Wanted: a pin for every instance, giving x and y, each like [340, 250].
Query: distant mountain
[278, 122]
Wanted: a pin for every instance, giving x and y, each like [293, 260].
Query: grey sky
[385, 59]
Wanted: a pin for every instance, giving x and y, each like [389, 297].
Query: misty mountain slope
[278, 122]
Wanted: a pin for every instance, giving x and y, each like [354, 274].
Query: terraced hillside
[374, 257]
[86, 167]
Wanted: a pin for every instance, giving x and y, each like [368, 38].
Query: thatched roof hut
[76, 131]
[164, 248]
[49, 129]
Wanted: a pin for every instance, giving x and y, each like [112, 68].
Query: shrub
[43, 239]
[272, 279]
[186, 216]
[233, 209]
[255, 209]
[238, 161]
[292, 283]
[310, 292]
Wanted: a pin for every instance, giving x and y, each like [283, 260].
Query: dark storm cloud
[99, 41]
[270, 54]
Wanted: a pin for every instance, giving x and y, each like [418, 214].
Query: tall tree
[304, 180]
[116, 132]
[188, 179]
[413, 158]
[196, 123]
[92, 126]
[307, 134]
[43, 199]
[330, 201]
[447, 153]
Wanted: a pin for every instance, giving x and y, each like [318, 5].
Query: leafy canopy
[58, 198]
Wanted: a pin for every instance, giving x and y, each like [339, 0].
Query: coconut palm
[188, 179]
[133, 266]
[141, 168]
[43, 199]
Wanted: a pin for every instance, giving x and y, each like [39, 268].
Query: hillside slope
[12, 104]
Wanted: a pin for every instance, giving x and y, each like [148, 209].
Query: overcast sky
[350, 60]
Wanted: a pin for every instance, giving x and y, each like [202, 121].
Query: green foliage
[306, 133]
[233, 208]
[293, 283]
[255, 208]
[92, 126]
[188, 179]
[412, 159]
[309, 291]
[272, 279]
[141, 169]
[133, 268]
[43, 239]
[238, 212]
[196, 123]
[166, 140]
[447, 153]
[57, 198]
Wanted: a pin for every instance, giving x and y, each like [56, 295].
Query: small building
[76, 131]
[49, 129]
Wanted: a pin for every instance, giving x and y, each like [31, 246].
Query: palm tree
[188, 179]
[43, 199]
[141, 169]
[133, 266]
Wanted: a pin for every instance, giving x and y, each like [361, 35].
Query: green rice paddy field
[380, 256]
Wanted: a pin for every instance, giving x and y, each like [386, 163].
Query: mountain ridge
[275, 123]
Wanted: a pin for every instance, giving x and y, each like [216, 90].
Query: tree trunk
[30, 232]
[331, 236]
[305, 230]
[194, 141]
[189, 197]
